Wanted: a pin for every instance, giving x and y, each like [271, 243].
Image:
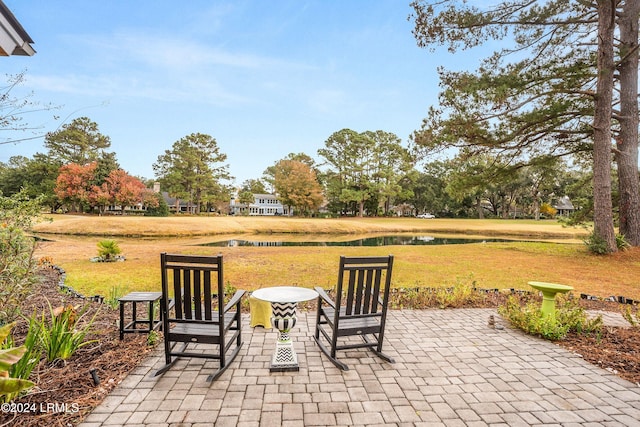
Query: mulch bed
[617, 350]
[65, 390]
[70, 385]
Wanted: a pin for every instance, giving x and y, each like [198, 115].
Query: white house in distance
[14, 40]
[263, 205]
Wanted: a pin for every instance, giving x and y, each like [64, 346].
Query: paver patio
[451, 369]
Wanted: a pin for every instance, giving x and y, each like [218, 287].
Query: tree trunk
[602, 206]
[627, 142]
[506, 204]
[479, 208]
[535, 195]
[536, 208]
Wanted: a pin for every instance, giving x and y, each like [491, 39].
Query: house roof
[171, 201]
[14, 40]
[564, 203]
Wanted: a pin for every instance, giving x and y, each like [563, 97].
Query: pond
[366, 241]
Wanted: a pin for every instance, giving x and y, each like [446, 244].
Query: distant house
[564, 206]
[263, 205]
[175, 205]
[137, 209]
[403, 209]
[14, 40]
[178, 205]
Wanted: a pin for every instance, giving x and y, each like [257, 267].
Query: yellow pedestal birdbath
[549, 291]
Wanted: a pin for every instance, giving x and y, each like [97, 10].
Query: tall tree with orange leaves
[74, 184]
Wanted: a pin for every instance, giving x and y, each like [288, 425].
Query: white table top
[284, 294]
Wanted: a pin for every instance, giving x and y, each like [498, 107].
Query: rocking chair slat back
[192, 285]
[192, 316]
[360, 307]
[365, 279]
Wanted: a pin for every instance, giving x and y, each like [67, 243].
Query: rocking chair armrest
[323, 295]
[234, 301]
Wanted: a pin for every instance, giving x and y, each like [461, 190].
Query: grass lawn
[489, 265]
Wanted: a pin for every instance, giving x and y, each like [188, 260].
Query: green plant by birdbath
[549, 291]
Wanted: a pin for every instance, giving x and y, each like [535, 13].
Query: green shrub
[60, 339]
[459, 295]
[529, 318]
[410, 298]
[10, 386]
[598, 245]
[153, 338]
[162, 209]
[17, 266]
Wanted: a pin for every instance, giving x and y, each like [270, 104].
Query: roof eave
[19, 41]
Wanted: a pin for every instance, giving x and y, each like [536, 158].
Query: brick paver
[451, 369]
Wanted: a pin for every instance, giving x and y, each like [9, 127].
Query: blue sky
[264, 78]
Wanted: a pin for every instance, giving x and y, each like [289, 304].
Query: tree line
[76, 174]
[371, 173]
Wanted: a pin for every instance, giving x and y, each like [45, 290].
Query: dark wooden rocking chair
[360, 307]
[190, 314]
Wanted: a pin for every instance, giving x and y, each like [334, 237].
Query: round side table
[284, 300]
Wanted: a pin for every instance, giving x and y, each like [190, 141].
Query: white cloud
[179, 53]
[132, 64]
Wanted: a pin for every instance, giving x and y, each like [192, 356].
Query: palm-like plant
[108, 250]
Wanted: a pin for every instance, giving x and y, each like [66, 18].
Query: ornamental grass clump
[60, 338]
[113, 300]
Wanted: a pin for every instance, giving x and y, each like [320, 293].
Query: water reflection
[367, 241]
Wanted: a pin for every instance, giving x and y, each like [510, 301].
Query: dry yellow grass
[177, 226]
[489, 265]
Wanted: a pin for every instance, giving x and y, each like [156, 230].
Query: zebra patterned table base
[284, 318]
[284, 358]
[284, 300]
